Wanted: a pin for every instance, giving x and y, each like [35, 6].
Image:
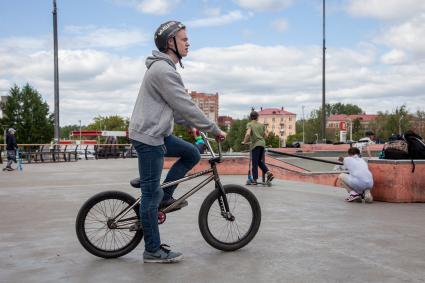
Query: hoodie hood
[158, 56]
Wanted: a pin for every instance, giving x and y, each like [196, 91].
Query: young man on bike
[163, 100]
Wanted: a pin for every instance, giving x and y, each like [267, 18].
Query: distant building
[3, 100]
[225, 121]
[278, 121]
[342, 121]
[207, 102]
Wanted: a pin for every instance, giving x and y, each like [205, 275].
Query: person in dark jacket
[11, 147]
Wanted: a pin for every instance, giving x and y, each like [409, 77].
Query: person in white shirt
[363, 143]
[359, 181]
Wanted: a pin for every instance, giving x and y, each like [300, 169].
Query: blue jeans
[151, 160]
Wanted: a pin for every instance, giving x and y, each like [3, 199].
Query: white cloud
[269, 76]
[156, 7]
[212, 12]
[218, 20]
[280, 25]
[24, 43]
[91, 82]
[94, 82]
[264, 5]
[409, 35]
[386, 9]
[92, 36]
[395, 56]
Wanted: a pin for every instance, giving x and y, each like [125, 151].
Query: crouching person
[359, 181]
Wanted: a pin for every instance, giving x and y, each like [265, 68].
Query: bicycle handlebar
[207, 142]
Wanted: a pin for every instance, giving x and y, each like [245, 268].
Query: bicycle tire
[253, 207]
[117, 198]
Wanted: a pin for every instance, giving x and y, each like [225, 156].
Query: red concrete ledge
[394, 180]
[238, 165]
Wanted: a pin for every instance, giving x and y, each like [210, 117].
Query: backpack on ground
[396, 149]
[416, 146]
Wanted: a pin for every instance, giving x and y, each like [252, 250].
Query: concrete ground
[308, 233]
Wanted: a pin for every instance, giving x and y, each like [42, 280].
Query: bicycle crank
[161, 217]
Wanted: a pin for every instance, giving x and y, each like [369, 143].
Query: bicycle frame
[224, 205]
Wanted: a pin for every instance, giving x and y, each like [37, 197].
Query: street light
[303, 124]
[351, 128]
[80, 130]
[281, 138]
[399, 125]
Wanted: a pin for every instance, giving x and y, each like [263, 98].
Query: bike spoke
[97, 230]
[228, 231]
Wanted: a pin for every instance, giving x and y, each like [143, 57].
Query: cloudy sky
[264, 53]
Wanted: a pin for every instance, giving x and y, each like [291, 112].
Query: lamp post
[351, 128]
[281, 138]
[303, 124]
[56, 72]
[399, 124]
[80, 130]
[324, 79]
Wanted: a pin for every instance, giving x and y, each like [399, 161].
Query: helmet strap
[176, 51]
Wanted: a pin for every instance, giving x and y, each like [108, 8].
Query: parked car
[130, 154]
[82, 155]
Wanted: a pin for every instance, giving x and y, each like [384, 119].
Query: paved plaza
[308, 233]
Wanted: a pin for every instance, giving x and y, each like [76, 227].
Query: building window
[273, 119]
[290, 127]
[290, 119]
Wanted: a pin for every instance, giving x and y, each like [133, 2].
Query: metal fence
[33, 153]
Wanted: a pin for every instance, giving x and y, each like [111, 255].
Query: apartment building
[207, 102]
[278, 121]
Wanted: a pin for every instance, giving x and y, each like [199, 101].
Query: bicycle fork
[222, 198]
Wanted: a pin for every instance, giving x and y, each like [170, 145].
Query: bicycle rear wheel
[96, 232]
[225, 234]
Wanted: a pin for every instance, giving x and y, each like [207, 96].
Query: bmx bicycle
[108, 224]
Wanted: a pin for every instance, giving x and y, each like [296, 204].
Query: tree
[294, 138]
[272, 140]
[110, 123]
[236, 135]
[357, 130]
[341, 108]
[66, 130]
[388, 124]
[419, 124]
[182, 132]
[25, 111]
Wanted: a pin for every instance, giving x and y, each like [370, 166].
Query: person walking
[11, 147]
[163, 100]
[256, 134]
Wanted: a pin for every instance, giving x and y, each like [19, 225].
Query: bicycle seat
[135, 183]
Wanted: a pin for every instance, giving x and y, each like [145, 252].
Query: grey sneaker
[163, 255]
[368, 198]
[170, 201]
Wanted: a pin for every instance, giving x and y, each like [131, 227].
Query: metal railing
[33, 153]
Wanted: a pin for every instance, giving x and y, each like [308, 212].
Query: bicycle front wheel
[99, 234]
[230, 234]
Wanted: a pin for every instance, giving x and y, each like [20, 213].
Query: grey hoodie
[163, 100]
